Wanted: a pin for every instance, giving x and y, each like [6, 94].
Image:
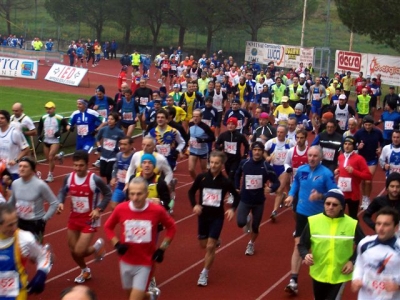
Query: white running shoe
[365, 203]
[203, 278]
[292, 288]
[50, 178]
[249, 249]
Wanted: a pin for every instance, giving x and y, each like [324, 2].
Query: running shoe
[365, 203]
[100, 250]
[48, 249]
[291, 288]
[96, 164]
[249, 249]
[203, 278]
[154, 294]
[230, 199]
[152, 284]
[50, 178]
[85, 275]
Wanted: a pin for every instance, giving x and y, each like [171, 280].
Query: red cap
[232, 120]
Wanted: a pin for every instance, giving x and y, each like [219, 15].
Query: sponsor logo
[349, 61]
[27, 69]
[375, 67]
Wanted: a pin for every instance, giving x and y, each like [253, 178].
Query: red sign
[349, 61]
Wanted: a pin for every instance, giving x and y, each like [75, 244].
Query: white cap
[302, 75]
[342, 96]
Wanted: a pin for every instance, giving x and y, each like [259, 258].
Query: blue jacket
[320, 179]
[199, 137]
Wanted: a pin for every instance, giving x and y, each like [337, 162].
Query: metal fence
[47, 57]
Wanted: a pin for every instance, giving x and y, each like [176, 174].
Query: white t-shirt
[22, 122]
[12, 142]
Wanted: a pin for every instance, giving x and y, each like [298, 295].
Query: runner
[51, 126]
[189, 101]
[143, 96]
[256, 172]
[212, 187]
[138, 251]
[128, 110]
[23, 123]
[389, 159]
[242, 116]
[391, 120]
[83, 187]
[265, 131]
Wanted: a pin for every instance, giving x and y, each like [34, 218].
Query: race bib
[25, 209]
[137, 231]
[230, 147]
[165, 66]
[121, 175]
[375, 285]
[102, 112]
[316, 96]
[388, 125]
[264, 100]
[239, 124]
[344, 184]
[143, 100]
[394, 168]
[173, 68]
[208, 122]
[82, 129]
[80, 204]
[127, 116]
[279, 156]
[328, 154]
[9, 284]
[253, 182]
[217, 103]
[342, 124]
[212, 197]
[109, 144]
[49, 132]
[163, 149]
[194, 144]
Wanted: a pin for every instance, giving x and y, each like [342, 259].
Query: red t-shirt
[139, 230]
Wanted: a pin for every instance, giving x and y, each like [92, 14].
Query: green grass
[34, 101]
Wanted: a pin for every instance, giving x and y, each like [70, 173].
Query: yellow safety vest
[294, 96]
[363, 104]
[135, 59]
[152, 186]
[332, 244]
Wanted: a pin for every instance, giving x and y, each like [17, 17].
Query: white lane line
[272, 287]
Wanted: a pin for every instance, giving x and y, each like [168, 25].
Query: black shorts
[49, 145]
[36, 227]
[372, 102]
[209, 227]
[219, 119]
[301, 222]
[172, 73]
[126, 125]
[165, 73]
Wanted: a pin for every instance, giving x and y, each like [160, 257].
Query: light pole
[303, 27]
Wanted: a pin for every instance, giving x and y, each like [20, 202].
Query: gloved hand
[99, 148]
[121, 248]
[36, 285]
[158, 255]
[289, 170]
[200, 140]
[57, 134]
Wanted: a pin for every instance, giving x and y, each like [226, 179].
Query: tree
[6, 6]
[377, 18]
[152, 14]
[125, 19]
[256, 14]
[181, 15]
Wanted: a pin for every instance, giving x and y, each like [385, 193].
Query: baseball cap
[285, 99]
[342, 96]
[177, 86]
[232, 120]
[50, 105]
[335, 81]
[264, 115]
[368, 119]
[302, 75]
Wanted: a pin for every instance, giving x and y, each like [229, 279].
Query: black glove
[71, 128]
[99, 148]
[200, 140]
[57, 134]
[158, 255]
[121, 248]
[289, 170]
[36, 285]
[377, 123]
[116, 149]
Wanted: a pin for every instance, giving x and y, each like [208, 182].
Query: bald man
[22, 122]
[79, 292]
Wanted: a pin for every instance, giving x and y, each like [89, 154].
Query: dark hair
[209, 98]
[302, 131]
[5, 208]
[257, 144]
[89, 293]
[80, 155]
[115, 115]
[163, 112]
[171, 111]
[6, 115]
[389, 211]
[130, 139]
[30, 161]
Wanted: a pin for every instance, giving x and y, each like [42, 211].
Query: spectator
[113, 51]
[49, 45]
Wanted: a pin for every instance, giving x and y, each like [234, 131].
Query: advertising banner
[65, 74]
[19, 68]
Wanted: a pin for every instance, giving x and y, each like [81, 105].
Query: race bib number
[194, 144]
[163, 149]
[342, 124]
[388, 125]
[230, 147]
[25, 209]
[279, 156]
[165, 66]
[143, 100]
[9, 284]
[328, 154]
[137, 231]
[212, 197]
[80, 204]
[239, 124]
[253, 182]
[394, 168]
[49, 132]
[82, 129]
[344, 184]
[264, 100]
[102, 112]
[208, 122]
[109, 144]
[375, 285]
[121, 175]
[316, 96]
[127, 116]
[173, 68]
[217, 103]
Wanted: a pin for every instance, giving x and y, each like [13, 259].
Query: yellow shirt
[180, 113]
[259, 76]
[97, 49]
[347, 83]
[281, 114]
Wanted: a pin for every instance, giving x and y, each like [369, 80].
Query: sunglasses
[331, 204]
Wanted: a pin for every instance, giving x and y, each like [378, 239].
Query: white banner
[370, 64]
[17, 67]
[282, 55]
[65, 74]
